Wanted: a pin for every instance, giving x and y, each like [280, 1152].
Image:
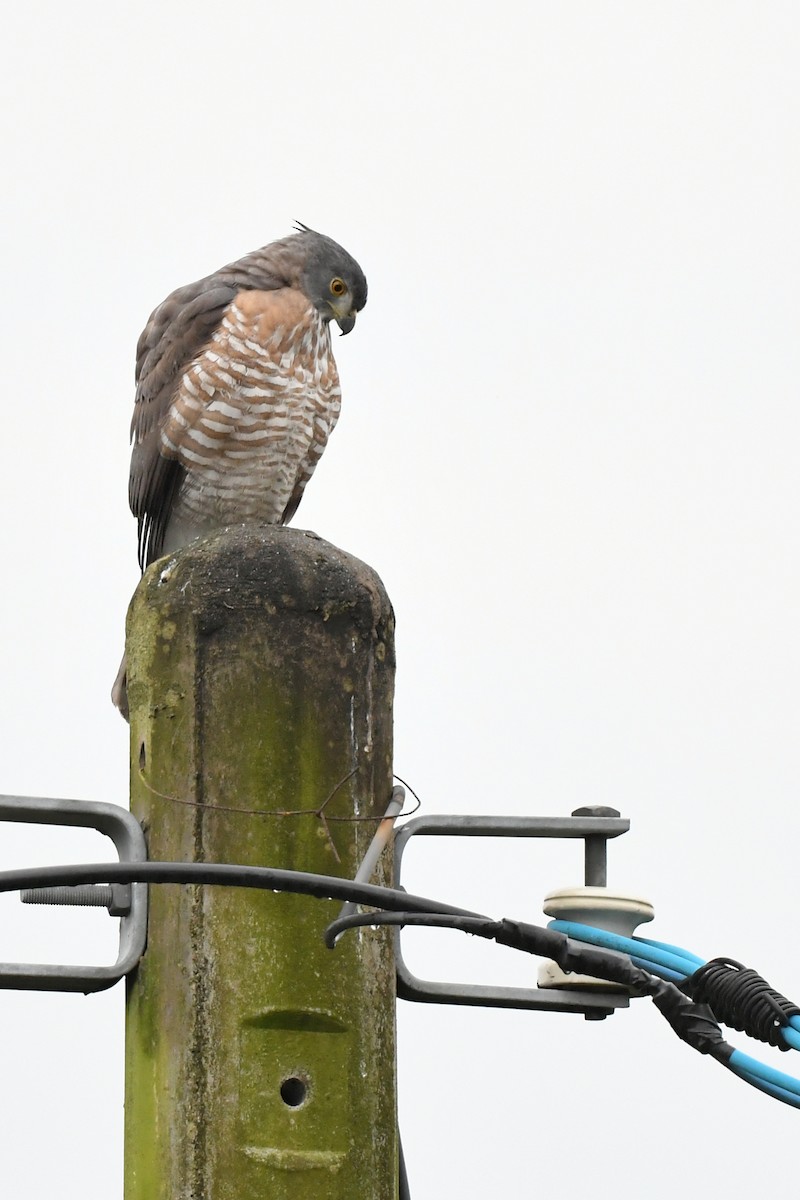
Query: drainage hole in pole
[293, 1091]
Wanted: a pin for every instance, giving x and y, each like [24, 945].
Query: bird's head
[332, 279]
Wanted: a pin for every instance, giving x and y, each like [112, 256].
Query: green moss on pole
[260, 1065]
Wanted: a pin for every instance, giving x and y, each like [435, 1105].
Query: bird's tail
[119, 692]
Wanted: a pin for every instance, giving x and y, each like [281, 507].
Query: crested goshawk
[237, 393]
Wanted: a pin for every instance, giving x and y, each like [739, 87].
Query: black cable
[464, 922]
[689, 1020]
[330, 887]
[741, 999]
[693, 1021]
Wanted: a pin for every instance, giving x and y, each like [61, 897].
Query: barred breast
[251, 415]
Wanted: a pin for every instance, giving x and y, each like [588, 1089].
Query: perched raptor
[237, 393]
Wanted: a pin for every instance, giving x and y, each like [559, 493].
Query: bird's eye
[338, 287]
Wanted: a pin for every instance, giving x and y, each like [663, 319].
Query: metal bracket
[595, 826]
[128, 838]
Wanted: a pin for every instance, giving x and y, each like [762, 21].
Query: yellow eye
[338, 287]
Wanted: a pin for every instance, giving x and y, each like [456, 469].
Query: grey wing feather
[174, 335]
[176, 332]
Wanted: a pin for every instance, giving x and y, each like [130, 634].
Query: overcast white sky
[568, 445]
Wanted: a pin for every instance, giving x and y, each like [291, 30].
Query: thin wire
[409, 788]
[281, 812]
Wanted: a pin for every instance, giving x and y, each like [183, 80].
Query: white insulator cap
[618, 912]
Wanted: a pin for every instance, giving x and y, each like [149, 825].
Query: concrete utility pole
[260, 1065]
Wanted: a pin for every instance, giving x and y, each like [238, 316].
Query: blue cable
[693, 958]
[673, 958]
[767, 1088]
[743, 1064]
[675, 964]
[662, 972]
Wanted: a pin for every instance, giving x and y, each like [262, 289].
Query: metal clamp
[128, 838]
[595, 826]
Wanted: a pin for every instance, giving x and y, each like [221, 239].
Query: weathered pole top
[247, 566]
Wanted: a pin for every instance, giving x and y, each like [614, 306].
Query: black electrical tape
[741, 999]
[694, 1023]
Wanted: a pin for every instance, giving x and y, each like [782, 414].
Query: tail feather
[119, 691]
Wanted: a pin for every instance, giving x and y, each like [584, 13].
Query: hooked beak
[346, 323]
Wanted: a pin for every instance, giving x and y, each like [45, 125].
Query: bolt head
[595, 810]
